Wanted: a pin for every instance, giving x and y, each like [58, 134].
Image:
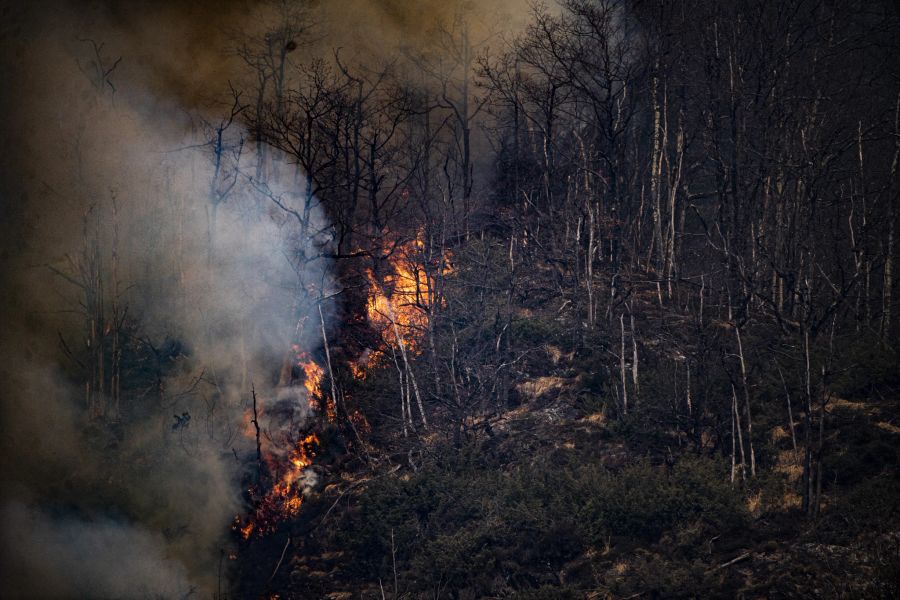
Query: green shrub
[876, 500]
[458, 558]
[860, 451]
[468, 527]
[868, 366]
[535, 332]
[654, 576]
[643, 501]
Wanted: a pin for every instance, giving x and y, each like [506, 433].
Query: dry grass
[834, 403]
[791, 500]
[754, 503]
[557, 355]
[597, 418]
[790, 462]
[536, 388]
[888, 426]
[780, 433]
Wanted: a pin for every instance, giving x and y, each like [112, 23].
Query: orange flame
[402, 297]
[312, 376]
[285, 498]
[397, 308]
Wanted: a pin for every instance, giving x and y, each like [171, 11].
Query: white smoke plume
[140, 508]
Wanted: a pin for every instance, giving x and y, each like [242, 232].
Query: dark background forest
[384, 299]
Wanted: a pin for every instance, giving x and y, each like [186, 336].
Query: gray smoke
[141, 508]
[67, 557]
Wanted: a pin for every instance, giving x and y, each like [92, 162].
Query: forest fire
[285, 497]
[397, 309]
[312, 375]
[450, 300]
[401, 297]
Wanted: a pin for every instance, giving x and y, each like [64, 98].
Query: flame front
[312, 376]
[399, 300]
[398, 304]
[285, 498]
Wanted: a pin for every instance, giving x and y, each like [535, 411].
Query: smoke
[66, 557]
[84, 505]
[107, 109]
[185, 51]
[140, 507]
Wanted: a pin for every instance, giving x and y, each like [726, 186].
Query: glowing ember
[247, 529]
[359, 421]
[357, 369]
[312, 381]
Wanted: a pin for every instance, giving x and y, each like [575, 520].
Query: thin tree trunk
[744, 384]
[787, 396]
[807, 463]
[889, 252]
[118, 319]
[820, 450]
[255, 421]
[740, 435]
[622, 365]
[589, 266]
[328, 361]
[673, 196]
[402, 345]
[690, 403]
[634, 360]
[733, 443]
